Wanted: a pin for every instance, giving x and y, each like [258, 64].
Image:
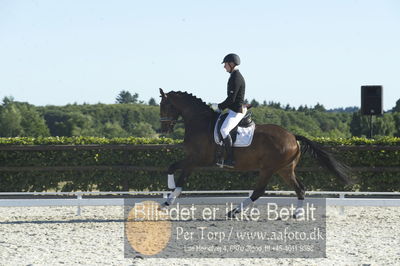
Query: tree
[56, 119]
[21, 119]
[319, 108]
[144, 130]
[381, 126]
[397, 107]
[81, 125]
[396, 117]
[113, 130]
[359, 125]
[384, 125]
[32, 123]
[276, 105]
[254, 103]
[10, 121]
[152, 102]
[127, 97]
[8, 100]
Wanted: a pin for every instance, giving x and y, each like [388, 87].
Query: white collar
[235, 69]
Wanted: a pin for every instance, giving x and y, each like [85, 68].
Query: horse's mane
[195, 102]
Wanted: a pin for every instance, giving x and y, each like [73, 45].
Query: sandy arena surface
[56, 236]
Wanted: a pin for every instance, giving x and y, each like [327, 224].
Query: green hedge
[110, 180]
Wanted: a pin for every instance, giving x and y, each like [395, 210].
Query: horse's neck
[189, 114]
[199, 123]
[196, 121]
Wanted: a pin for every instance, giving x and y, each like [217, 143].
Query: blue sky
[296, 52]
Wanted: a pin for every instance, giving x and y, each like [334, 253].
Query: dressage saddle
[246, 121]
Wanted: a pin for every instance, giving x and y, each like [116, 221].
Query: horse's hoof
[163, 206]
[298, 215]
[232, 213]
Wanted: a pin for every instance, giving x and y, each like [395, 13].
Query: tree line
[131, 117]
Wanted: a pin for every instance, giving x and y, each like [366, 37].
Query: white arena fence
[333, 198]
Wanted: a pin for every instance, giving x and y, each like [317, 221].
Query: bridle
[175, 121]
[172, 121]
[168, 119]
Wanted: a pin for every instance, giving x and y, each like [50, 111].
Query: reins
[175, 121]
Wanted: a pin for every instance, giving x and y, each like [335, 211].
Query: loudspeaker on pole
[371, 100]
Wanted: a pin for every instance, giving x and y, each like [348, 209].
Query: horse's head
[168, 113]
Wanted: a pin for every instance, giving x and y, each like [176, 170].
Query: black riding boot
[229, 162]
[219, 155]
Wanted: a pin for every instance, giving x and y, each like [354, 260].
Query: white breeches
[231, 121]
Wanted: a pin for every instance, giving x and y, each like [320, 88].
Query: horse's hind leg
[265, 176]
[291, 179]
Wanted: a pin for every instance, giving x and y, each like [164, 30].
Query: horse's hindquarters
[272, 147]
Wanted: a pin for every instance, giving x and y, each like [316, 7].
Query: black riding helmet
[232, 58]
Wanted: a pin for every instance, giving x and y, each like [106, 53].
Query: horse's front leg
[172, 169]
[187, 168]
[178, 189]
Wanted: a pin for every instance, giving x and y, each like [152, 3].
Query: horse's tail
[325, 158]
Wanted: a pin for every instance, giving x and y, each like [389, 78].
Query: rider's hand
[215, 107]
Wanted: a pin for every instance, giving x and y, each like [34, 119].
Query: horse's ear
[162, 93]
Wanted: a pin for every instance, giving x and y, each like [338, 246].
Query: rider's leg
[230, 162]
[230, 122]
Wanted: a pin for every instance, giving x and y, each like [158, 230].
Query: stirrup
[230, 164]
[223, 164]
[220, 163]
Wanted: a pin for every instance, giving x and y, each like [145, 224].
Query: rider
[234, 102]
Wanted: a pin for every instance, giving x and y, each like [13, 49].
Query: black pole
[370, 127]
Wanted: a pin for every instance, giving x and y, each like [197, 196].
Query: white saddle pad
[244, 135]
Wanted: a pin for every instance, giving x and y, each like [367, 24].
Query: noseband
[166, 119]
[169, 119]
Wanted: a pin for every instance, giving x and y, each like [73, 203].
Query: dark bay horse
[273, 149]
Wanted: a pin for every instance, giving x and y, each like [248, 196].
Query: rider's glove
[215, 107]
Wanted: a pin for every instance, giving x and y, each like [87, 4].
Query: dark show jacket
[236, 89]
